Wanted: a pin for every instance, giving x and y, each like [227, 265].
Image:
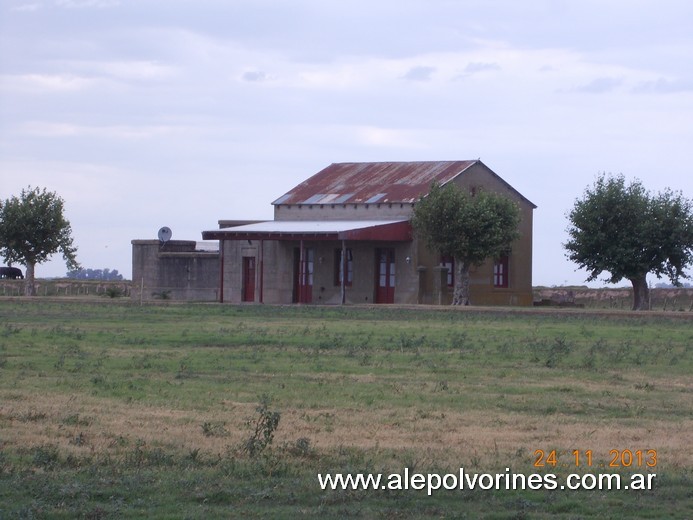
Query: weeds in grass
[648, 387]
[45, 456]
[215, 429]
[31, 416]
[458, 341]
[142, 456]
[590, 359]
[67, 332]
[558, 352]
[76, 420]
[300, 448]
[618, 353]
[184, 370]
[264, 427]
[79, 440]
[142, 362]
[441, 386]
[10, 329]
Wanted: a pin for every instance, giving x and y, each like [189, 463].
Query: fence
[64, 287]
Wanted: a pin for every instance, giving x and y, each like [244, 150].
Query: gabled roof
[373, 182]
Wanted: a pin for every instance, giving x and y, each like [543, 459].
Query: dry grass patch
[485, 439]
[107, 426]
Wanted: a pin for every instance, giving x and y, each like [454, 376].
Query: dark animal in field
[11, 272]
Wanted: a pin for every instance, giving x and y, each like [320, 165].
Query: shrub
[264, 426]
[114, 292]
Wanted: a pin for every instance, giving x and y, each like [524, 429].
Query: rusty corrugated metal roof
[373, 182]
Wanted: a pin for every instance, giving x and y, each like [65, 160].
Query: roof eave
[398, 231]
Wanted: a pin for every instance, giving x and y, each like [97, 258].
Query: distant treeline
[94, 274]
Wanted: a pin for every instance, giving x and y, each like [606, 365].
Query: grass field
[112, 410]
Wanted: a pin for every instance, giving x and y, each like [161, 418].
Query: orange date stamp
[585, 458]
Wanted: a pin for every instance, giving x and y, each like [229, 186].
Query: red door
[385, 275]
[303, 273]
[248, 289]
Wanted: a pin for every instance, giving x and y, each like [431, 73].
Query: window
[449, 262]
[339, 267]
[500, 272]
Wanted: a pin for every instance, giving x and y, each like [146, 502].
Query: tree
[470, 228]
[32, 228]
[624, 230]
[94, 274]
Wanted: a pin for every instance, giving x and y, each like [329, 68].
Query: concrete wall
[519, 291]
[433, 287]
[278, 275]
[302, 212]
[174, 270]
[276, 269]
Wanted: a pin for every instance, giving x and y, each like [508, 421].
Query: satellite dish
[165, 234]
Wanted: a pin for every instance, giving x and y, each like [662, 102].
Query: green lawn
[112, 410]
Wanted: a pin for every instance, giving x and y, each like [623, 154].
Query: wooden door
[248, 289]
[385, 275]
[303, 275]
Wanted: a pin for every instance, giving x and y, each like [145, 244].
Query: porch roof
[366, 230]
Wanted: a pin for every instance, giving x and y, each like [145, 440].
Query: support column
[301, 273]
[262, 270]
[344, 271]
[221, 271]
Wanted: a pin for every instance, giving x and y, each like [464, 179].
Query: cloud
[133, 69]
[600, 85]
[475, 67]
[419, 73]
[58, 130]
[85, 4]
[83, 75]
[255, 76]
[664, 86]
[46, 82]
[387, 137]
[26, 8]
[42, 129]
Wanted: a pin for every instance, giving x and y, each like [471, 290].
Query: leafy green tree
[470, 228]
[628, 232]
[32, 228]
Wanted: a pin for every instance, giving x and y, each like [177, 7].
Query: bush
[264, 426]
[114, 292]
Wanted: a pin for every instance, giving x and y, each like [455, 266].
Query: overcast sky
[145, 113]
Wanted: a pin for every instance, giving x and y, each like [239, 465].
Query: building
[344, 236]
[175, 270]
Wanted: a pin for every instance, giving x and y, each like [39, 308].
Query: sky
[180, 113]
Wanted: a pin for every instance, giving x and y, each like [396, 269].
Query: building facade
[174, 270]
[344, 236]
